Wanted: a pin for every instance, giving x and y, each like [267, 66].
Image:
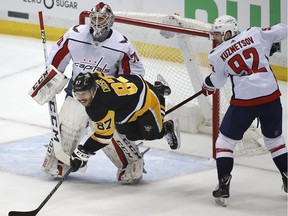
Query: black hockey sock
[281, 162]
[224, 166]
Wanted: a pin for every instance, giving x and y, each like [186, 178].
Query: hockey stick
[55, 141]
[35, 212]
[183, 102]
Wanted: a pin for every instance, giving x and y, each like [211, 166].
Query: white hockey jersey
[245, 58]
[115, 55]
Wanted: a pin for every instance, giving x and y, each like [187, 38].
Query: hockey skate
[162, 86]
[284, 179]
[221, 193]
[172, 134]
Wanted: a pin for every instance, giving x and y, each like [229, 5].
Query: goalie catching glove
[79, 158]
[48, 85]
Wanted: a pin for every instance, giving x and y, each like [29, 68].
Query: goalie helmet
[224, 24]
[101, 20]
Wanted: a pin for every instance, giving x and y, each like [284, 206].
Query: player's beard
[86, 102]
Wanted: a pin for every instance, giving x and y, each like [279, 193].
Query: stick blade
[19, 213]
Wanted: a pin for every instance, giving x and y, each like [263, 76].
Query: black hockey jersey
[118, 99]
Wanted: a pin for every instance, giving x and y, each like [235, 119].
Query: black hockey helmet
[83, 82]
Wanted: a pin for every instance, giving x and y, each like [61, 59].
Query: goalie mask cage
[178, 48]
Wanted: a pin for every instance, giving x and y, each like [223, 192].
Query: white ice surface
[177, 183]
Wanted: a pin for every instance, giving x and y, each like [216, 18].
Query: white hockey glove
[48, 85]
[79, 158]
[208, 90]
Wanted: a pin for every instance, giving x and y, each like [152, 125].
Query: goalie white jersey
[115, 55]
[245, 59]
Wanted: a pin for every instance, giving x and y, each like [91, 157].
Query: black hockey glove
[275, 47]
[79, 158]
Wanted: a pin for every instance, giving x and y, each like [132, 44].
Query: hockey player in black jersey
[127, 103]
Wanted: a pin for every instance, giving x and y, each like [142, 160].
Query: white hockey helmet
[223, 24]
[101, 20]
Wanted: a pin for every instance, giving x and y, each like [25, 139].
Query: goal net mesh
[182, 60]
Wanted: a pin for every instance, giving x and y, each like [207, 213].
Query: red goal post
[187, 72]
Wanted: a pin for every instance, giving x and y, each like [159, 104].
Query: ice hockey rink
[177, 182]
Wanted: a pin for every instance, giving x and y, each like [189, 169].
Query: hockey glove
[79, 158]
[208, 90]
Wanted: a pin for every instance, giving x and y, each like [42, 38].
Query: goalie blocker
[50, 83]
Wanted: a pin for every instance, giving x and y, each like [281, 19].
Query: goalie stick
[35, 212]
[55, 141]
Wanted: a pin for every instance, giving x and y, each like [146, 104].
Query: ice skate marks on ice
[25, 157]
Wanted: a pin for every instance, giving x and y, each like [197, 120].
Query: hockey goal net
[177, 48]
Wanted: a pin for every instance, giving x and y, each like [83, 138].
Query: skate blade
[221, 201]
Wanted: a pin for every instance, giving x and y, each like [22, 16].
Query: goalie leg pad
[52, 165]
[72, 129]
[115, 154]
[126, 157]
[132, 173]
[73, 121]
